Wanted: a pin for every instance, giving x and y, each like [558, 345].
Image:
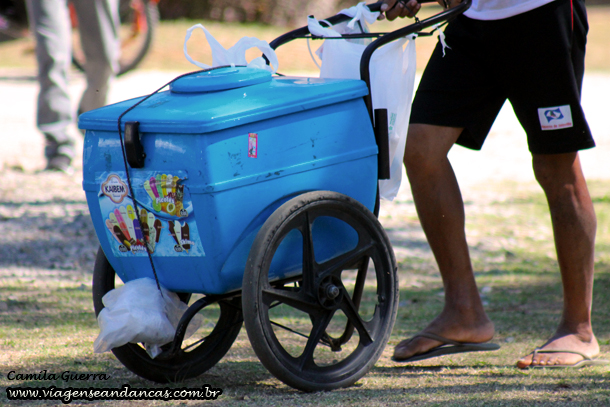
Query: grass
[48, 323]
[166, 53]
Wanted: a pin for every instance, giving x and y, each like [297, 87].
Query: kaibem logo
[114, 188]
[555, 118]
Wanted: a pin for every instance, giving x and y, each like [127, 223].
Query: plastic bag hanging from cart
[137, 312]
[236, 55]
[392, 71]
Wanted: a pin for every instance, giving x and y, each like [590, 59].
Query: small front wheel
[326, 327]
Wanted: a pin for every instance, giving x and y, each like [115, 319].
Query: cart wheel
[326, 328]
[222, 322]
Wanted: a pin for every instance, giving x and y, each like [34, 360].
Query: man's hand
[399, 8]
[408, 8]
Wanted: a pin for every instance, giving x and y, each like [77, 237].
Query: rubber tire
[257, 324]
[199, 360]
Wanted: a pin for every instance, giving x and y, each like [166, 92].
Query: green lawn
[48, 323]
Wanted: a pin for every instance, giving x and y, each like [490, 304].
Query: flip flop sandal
[447, 348]
[586, 360]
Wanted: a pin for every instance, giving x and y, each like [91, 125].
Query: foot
[475, 329]
[573, 342]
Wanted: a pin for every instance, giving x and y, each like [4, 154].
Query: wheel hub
[329, 292]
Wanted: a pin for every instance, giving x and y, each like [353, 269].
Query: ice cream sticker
[162, 223]
[252, 145]
[166, 194]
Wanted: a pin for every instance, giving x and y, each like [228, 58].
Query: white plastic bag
[136, 312]
[392, 83]
[236, 55]
[392, 73]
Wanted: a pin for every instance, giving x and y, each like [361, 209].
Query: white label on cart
[114, 188]
[163, 219]
[555, 118]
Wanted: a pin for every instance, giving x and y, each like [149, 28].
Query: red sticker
[252, 145]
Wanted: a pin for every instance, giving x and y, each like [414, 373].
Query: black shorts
[535, 60]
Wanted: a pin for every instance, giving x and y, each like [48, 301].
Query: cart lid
[224, 98]
[221, 79]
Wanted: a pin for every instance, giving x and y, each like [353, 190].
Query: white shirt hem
[498, 14]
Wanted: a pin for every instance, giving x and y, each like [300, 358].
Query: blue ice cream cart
[254, 197]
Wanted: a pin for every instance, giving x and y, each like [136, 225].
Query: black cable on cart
[125, 161]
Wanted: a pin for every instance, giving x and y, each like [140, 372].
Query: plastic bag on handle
[392, 73]
[236, 55]
[315, 28]
[393, 83]
[138, 313]
[360, 13]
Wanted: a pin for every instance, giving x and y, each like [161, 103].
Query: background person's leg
[574, 227]
[98, 26]
[441, 212]
[50, 23]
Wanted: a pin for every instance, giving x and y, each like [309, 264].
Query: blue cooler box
[224, 149]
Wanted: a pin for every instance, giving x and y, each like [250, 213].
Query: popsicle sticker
[127, 221]
[158, 185]
[166, 194]
[118, 233]
[180, 211]
[154, 228]
[151, 188]
[172, 233]
[171, 206]
[122, 225]
[110, 227]
[252, 145]
[175, 180]
[181, 234]
[131, 213]
[158, 226]
[144, 225]
[178, 234]
[164, 185]
[186, 243]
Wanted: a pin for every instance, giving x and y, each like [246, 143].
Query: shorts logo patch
[555, 118]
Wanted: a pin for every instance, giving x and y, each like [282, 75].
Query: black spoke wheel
[221, 325]
[327, 327]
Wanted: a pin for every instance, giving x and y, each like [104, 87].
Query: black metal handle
[336, 19]
[383, 143]
[421, 25]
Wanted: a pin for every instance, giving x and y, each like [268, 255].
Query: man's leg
[441, 212]
[574, 226]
